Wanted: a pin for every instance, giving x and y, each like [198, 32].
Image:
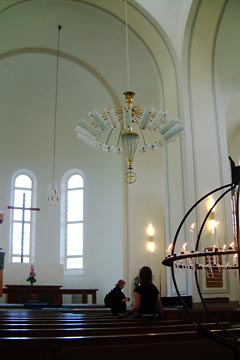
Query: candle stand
[194, 260]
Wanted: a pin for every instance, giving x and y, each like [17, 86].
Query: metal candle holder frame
[188, 260]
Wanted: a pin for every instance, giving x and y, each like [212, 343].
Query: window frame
[63, 231]
[32, 222]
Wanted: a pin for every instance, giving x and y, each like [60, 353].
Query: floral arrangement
[32, 275]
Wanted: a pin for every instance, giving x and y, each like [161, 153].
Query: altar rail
[51, 295]
[83, 292]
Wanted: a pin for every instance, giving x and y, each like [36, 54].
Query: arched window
[72, 216]
[22, 218]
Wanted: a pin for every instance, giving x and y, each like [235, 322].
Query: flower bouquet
[32, 276]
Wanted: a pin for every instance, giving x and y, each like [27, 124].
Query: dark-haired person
[146, 296]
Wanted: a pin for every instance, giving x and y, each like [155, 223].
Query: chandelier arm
[119, 135]
[153, 135]
[109, 135]
[99, 134]
[141, 132]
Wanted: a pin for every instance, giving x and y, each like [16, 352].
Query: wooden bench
[54, 330]
[185, 345]
[49, 335]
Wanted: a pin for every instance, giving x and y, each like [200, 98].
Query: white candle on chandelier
[169, 249]
[191, 230]
[183, 250]
[235, 256]
[214, 232]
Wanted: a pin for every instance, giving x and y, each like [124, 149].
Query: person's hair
[145, 274]
[120, 283]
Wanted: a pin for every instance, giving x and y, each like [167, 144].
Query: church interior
[70, 70]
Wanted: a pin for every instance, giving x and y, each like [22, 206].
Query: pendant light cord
[55, 110]
[127, 45]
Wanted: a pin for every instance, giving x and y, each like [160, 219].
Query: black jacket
[117, 305]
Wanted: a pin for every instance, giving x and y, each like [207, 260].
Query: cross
[23, 208]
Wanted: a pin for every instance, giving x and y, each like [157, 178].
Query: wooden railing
[49, 294]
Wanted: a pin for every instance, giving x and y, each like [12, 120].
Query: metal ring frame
[223, 336]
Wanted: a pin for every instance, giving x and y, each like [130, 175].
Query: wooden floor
[71, 332]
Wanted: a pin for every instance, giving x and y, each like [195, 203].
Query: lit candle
[214, 231]
[192, 227]
[231, 246]
[169, 249]
[183, 250]
[235, 259]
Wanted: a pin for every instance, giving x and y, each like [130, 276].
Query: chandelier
[53, 198]
[124, 129]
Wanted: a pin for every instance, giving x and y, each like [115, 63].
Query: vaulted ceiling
[27, 28]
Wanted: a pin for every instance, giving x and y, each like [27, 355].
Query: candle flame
[192, 226]
[184, 246]
[213, 224]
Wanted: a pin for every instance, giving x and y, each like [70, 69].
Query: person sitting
[146, 296]
[118, 300]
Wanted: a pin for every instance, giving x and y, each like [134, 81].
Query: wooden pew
[49, 335]
[46, 330]
[185, 345]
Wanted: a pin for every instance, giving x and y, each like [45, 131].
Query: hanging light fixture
[53, 198]
[122, 128]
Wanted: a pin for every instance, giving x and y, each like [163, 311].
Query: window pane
[74, 239]
[26, 249]
[17, 238]
[74, 248]
[26, 259]
[75, 181]
[74, 263]
[75, 205]
[17, 215]
[75, 231]
[19, 195]
[23, 181]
